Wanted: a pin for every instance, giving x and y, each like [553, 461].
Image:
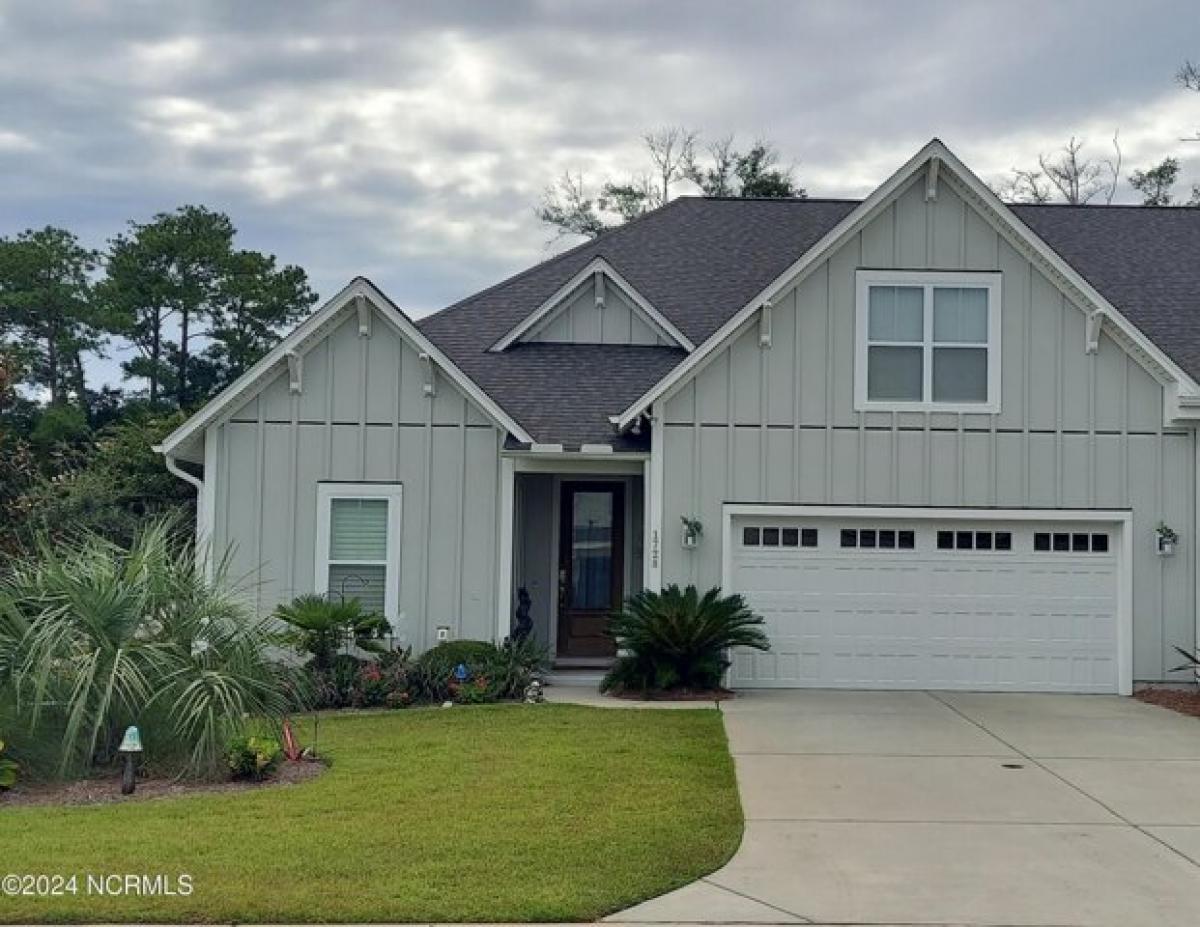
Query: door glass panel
[592, 550]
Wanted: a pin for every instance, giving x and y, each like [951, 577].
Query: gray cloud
[411, 142]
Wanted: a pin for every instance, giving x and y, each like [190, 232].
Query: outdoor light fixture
[129, 751]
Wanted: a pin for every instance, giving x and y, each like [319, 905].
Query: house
[938, 441]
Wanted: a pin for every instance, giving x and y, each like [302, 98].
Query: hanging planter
[692, 530]
[1166, 539]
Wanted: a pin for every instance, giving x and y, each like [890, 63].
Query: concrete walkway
[917, 808]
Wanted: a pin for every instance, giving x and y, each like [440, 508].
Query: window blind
[358, 530]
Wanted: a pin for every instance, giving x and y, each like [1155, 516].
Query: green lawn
[495, 813]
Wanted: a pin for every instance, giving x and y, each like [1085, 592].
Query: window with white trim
[927, 341]
[358, 544]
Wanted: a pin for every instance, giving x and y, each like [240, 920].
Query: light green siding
[363, 417]
[1075, 430]
[580, 321]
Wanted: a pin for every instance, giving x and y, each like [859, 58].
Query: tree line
[193, 308]
[196, 309]
[1070, 175]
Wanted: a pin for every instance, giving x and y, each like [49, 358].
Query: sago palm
[678, 638]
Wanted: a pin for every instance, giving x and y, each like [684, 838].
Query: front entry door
[591, 566]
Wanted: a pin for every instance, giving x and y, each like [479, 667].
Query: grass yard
[493, 813]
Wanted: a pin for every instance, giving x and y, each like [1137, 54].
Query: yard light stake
[130, 750]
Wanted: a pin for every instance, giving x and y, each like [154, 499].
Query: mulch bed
[675, 695]
[1185, 701]
[106, 791]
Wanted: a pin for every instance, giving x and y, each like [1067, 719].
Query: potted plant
[692, 529]
[1166, 538]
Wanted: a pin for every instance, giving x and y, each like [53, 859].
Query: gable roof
[932, 157]
[696, 260]
[181, 442]
[1144, 259]
[699, 261]
[560, 301]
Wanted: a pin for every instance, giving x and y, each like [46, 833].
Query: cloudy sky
[410, 142]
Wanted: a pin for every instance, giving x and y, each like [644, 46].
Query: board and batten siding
[580, 321]
[363, 417]
[1075, 430]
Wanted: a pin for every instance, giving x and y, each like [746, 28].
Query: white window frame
[393, 494]
[928, 280]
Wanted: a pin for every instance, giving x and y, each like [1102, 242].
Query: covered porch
[577, 534]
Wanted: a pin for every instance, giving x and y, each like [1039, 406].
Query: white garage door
[894, 604]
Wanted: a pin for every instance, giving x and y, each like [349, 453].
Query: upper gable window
[927, 342]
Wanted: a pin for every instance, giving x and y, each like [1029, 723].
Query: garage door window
[928, 342]
[974, 540]
[766, 536]
[1074, 542]
[878, 538]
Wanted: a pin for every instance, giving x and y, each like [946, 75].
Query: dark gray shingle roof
[1145, 260]
[698, 261]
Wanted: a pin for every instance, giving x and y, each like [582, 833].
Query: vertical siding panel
[311, 468]
[912, 234]
[1148, 641]
[812, 307]
[1179, 507]
[275, 540]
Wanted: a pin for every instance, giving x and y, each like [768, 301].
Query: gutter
[176, 470]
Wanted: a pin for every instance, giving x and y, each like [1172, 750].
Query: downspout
[183, 474]
[202, 526]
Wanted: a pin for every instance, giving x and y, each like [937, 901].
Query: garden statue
[523, 626]
[534, 694]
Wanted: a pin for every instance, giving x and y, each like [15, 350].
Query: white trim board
[1121, 518]
[550, 309]
[913, 170]
[311, 330]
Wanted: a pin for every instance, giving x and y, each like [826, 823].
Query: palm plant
[94, 637]
[678, 639]
[320, 627]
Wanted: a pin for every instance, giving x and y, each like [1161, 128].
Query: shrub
[474, 654]
[514, 665]
[8, 770]
[254, 758]
[383, 682]
[95, 637]
[677, 639]
[321, 628]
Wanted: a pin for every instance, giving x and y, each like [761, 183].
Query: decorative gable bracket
[295, 365]
[430, 371]
[931, 179]
[1091, 337]
[363, 305]
[764, 325]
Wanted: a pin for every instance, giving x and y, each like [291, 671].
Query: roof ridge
[793, 200]
[596, 242]
[1174, 207]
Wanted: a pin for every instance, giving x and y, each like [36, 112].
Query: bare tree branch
[671, 150]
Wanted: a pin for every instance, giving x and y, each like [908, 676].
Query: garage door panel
[1005, 617]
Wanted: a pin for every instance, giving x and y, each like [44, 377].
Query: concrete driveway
[940, 808]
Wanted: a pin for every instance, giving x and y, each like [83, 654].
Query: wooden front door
[591, 566]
